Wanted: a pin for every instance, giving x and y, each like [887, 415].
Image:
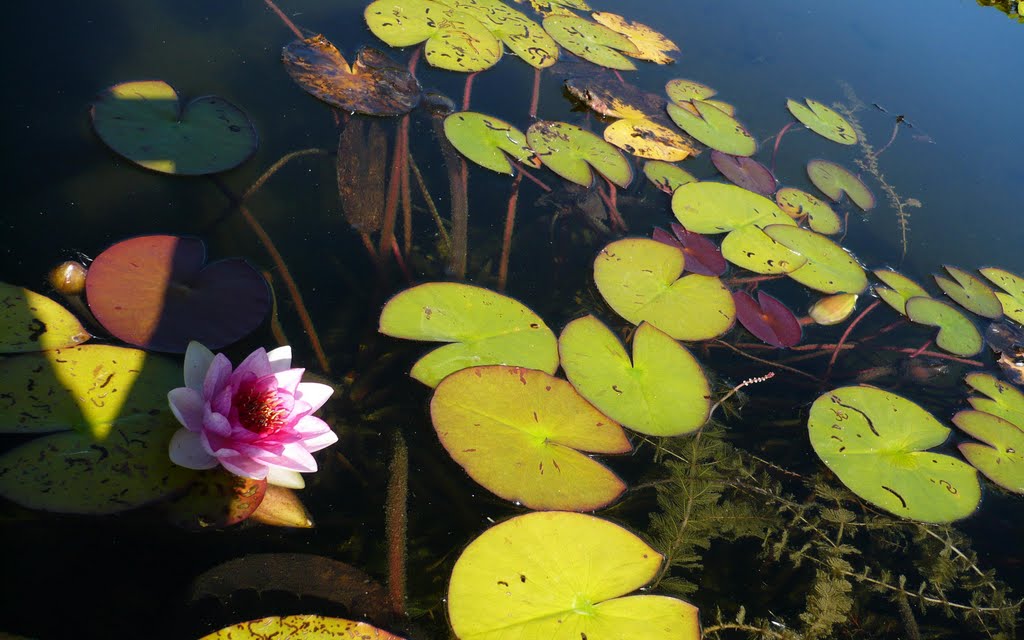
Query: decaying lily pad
[823, 121]
[32, 322]
[1001, 457]
[216, 499]
[301, 626]
[650, 45]
[609, 97]
[970, 293]
[591, 41]
[521, 35]
[361, 166]
[714, 127]
[820, 216]
[649, 139]
[667, 176]
[486, 140]
[957, 334]
[155, 292]
[1007, 341]
[702, 255]
[1012, 295]
[834, 180]
[374, 84]
[768, 319]
[829, 268]
[571, 151]
[146, 123]
[902, 289]
[745, 172]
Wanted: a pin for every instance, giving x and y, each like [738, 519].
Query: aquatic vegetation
[32, 322]
[591, 41]
[900, 289]
[488, 141]
[524, 37]
[745, 172]
[702, 255]
[650, 44]
[683, 92]
[833, 309]
[768, 319]
[309, 626]
[571, 151]
[970, 293]
[957, 334]
[1012, 295]
[1001, 457]
[709, 124]
[798, 204]
[667, 176]
[216, 498]
[255, 420]
[823, 121]
[835, 181]
[828, 267]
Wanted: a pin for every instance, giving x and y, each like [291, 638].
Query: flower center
[259, 411]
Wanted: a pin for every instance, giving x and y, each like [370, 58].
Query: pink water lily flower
[256, 421]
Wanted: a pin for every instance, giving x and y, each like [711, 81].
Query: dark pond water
[951, 69]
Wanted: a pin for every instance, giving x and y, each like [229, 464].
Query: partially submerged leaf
[877, 442]
[591, 41]
[571, 151]
[614, 99]
[702, 255]
[361, 167]
[745, 172]
[484, 327]
[216, 499]
[829, 268]
[521, 434]
[311, 627]
[521, 35]
[970, 293]
[820, 216]
[1012, 295]
[902, 289]
[486, 140]
[768, 319]
[282, 507]
[834, 180]
[714, 127]
[32, 322]
[957, 334]
[823, 121]
[650, 45]
[1001, 458]
[1007, 341]
[667, 176]
[833, 309]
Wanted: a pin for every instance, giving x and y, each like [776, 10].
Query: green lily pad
[1001, 458]
[713, 127]
[146, 123]
[750, 248]
[591, 41]
[829, 268]
[716, 207]
[485, 140]
[667, 176]
[521, 35]
[834, 180]
[32, 322]
[877, 442]
[542, 576]
[484, 327]
[957, 334]
[681, 91]
[520, 433]
[661, 392]
[639, 279]
[1012, 295]
[571, 151]
[820, 216]
[1002, 399]
[76, 473]
[902, 289]
[970, 293]
[88, 389]
[310, 627]
[823, 121]
[455, 40]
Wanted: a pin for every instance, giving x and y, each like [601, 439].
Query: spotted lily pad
[650, 45]
[571, 151]
[486, 140]
[744, 172]
[957, 334]
[829, 268]
[154, 292]
[1000, 398]
[640, 280]
[542, 576]
[313, 627]
[682, 91]
[768, 319]
[146, 123]
[1001, 457]
[591, 41]
[834, 180]
[750, 248]
[902, 289]
[833, 309]
[482, 326]
[714, 127]
[667, 176]
[32, 322]
[662, 391]
[823, 121]
[877, 443]
[520, 34]
[702, 255]
[820, 216]
[970, 293]
[648, 139]
[521, 433]
[1012, 295]
[374, 84]
[455, 40]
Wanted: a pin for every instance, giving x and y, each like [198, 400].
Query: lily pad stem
[287, 22]
[846, 334]
[506, 242]
[778, 140]
[535, 98]
[446, 242]
[274, 168]
[395, 523]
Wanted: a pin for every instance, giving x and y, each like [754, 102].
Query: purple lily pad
[154, 292]
[768, 319]
[702, 255]
[745, 172]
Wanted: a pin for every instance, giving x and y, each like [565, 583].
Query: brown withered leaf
[362, 155]
[374, 85]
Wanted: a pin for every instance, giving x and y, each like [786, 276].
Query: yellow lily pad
[650, 44]
[902, 289]
[681, 91]
[970, 293]
[829, 268]
[833, 309]
[32, 322]
[1012, 295]
[957, 334]
[571, 151]
[591, 41]
[797, 203]
[648, 139]
[834, 180]
[308, 627]
[823, 121]
[667, 176]
[714, 127]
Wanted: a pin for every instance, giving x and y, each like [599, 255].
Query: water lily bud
[68, 278]
[833, 309]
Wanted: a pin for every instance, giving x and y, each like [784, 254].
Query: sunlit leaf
[744, 172]
[714, 127]
[591, 41]
[571, 151]
[216, 499]
[486, 140]
[615, 99]
[970, 293]
[32, 322]
[823, 121]
[716, 207]
[820, 216]
[662, 391]
[902, 289]
[667, 176]
[282, 507]
[829, 268]
[877, 443]
[1001, 458]
[682, 91]
[702, 255]
[957, 334]
[834, 180]
[484, 327]
[833, 309]
[542, 576]
[648, 139]
[1012, 295]
[521, 35]
[650, 45]
[521, 434]
[146, 123]
[1002, 399]
[750, 248]
[768, 319]
[309, 627]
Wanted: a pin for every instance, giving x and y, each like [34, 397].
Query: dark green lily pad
[486, 140]
[834, 180]
[823, 121]
[957, 334]
[1001, 458]
[970, 293]
[591, 41]
[571, 151]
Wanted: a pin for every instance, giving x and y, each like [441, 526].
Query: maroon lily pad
[216, 499]
[745, 172]
[702, 255]
[155, 293]
[768, 319]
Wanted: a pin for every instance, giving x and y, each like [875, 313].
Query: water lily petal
[216, 375]
[186, 450]
[245, 467]
[218, 446]
[255, 366]
[319, 439]
[314, 393]
[187, 406]
[285, 478]
[217, 423]
[280, 359]
[295, 457]
[289, 379]
[197, 362]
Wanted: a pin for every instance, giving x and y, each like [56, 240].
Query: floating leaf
[834, 180]
[768, 319]
[560, 575]
[1008, 342]
[829, 268]
[714, 127]
[702, 256]
[312, 627]
[146, 123]
[639, 279]
[485, 328]
[833, 309]
[88, 389]
[455, 40]
[521, 35]
[957, 334]
[361, 166]
[281, 507]
[1002, 460]
[650, 45]
[876, 442]
[520, 434]
[154, 292]
[661, 392]
[820, 216]
[745, 172]
[684, 91]
[591, 41]
[374, 84]
[970, 293]
[1012, 295]
[610, 97]
[716, 207]
[648, 139]
[1002, 399]
[750, 248]
[903, 289]
[32, 322]
[486, 140]
[216, 499]
[823, 121]
[667, 176]
[570, 151]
